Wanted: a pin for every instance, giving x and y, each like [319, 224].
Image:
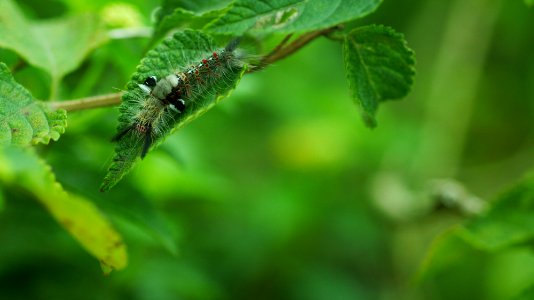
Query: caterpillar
[166, 97]
[162, 98]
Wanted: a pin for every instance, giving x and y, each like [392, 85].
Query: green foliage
[2, 201]
[380, 67]
[507, 223]
[529, 2]
[183, 49]
[279, 193]
[57, 46]
[25, 120]
[76, 214]
[177, 14]
[288, 16]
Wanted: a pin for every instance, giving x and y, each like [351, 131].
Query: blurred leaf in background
[57, 46]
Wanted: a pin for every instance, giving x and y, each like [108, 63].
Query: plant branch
[88, 103]
[281, 52]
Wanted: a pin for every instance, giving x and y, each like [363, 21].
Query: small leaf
[380, 67]
[185, 48]
[289, 16]
[76, 214]
[507, 223]
[57, 46]
[24, 120]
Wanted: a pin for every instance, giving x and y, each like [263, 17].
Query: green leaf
[24, 120]
[446, 251]
[57, 46]
[529, 2]
[181, 19]
[379, 65]
[168, 6]
[183, 49]
[507, 223]
[289, 16]
[79, 216]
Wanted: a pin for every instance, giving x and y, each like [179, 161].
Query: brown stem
[89, 102]
[281, 52]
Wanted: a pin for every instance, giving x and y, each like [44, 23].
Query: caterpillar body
[169, 96]
[162, 99]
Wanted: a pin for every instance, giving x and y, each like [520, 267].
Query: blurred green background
[281, 192]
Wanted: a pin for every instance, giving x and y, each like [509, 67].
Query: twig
[281, 52]
[89, 102]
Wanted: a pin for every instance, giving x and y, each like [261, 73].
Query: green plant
[379, 67]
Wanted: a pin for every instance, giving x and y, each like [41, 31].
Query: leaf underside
[379, 66]
[183, 49]
[23, 120]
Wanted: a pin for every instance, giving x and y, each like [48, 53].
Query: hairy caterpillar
[160, 100]
[170, 95]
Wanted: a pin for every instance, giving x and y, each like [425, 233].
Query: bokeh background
[281, 192]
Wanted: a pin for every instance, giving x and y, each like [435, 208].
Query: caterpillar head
[149, 84]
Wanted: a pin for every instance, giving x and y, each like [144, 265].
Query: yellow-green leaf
[79, 216]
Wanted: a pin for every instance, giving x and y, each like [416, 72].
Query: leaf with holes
[289, 16]
[23, 120]
[189, 49]
[379, 65]
[79, 216]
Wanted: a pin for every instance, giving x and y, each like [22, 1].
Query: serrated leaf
[181, 19]
[379, 65]
[24, 120]
[507, 223]
[79, 216]
[57, 46]
[183, 49]
[289, 16]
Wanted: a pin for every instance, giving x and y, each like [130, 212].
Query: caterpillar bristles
[159, 102]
